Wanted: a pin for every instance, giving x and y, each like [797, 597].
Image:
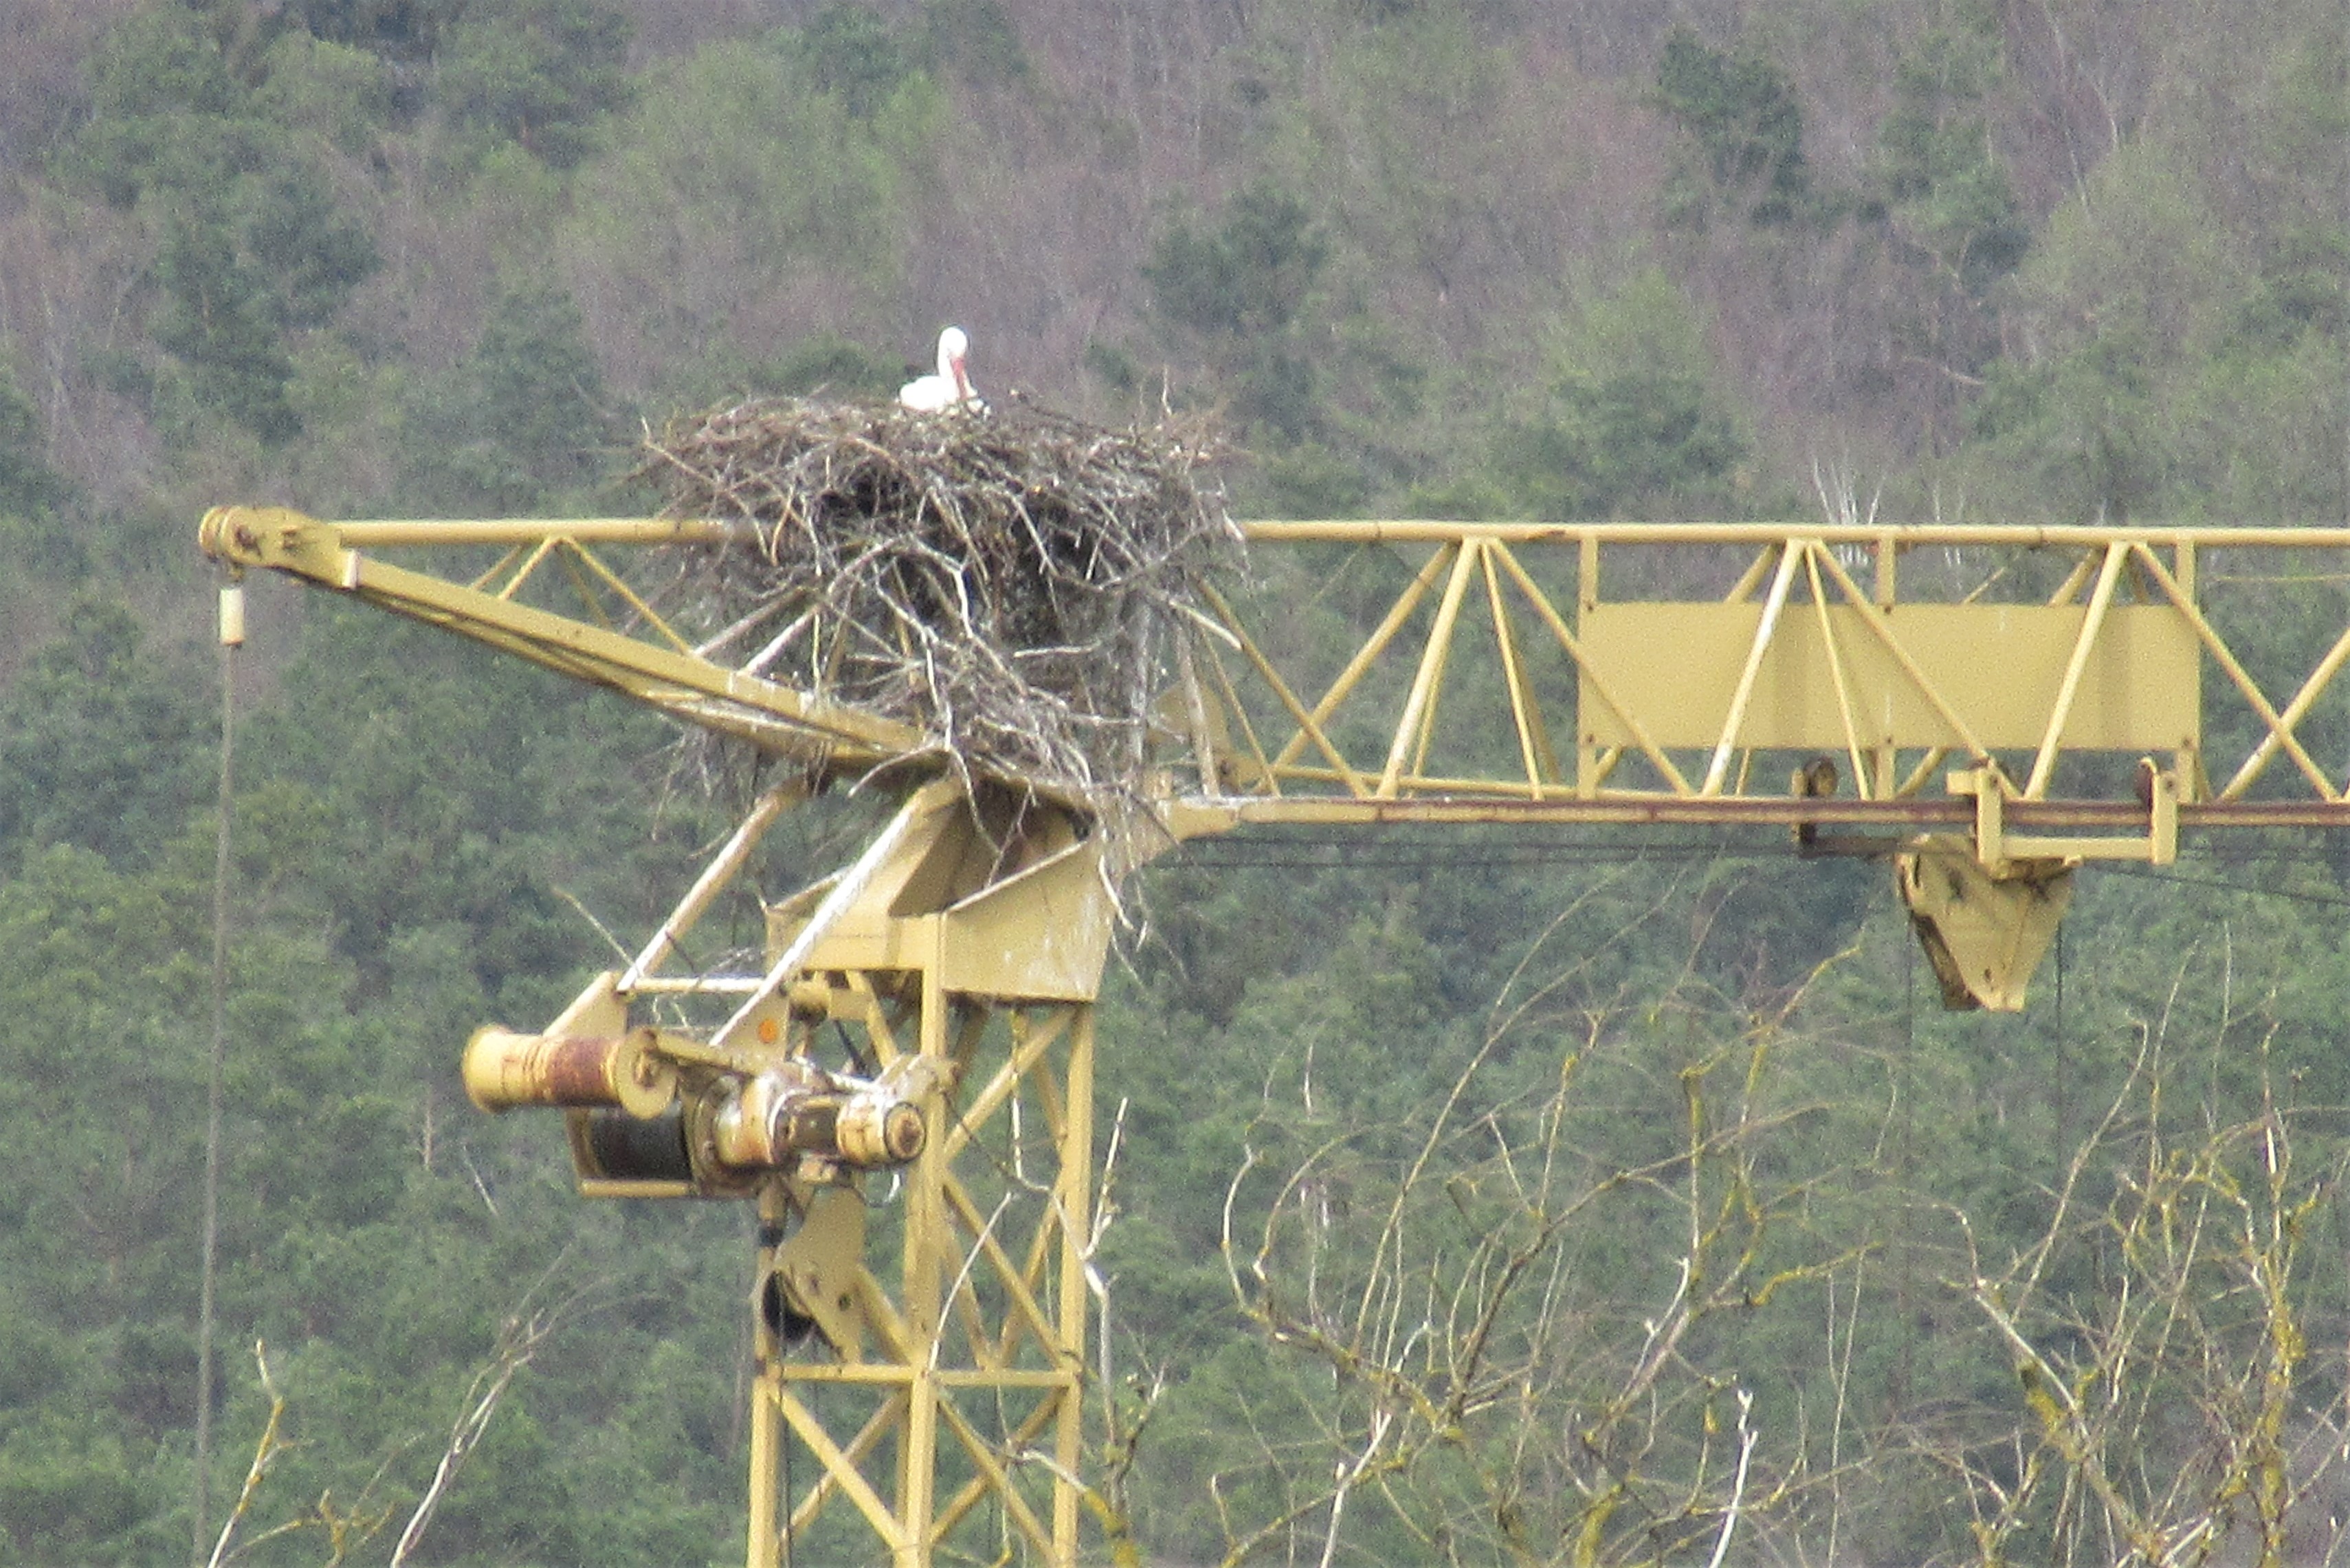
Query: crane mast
[1880, 691]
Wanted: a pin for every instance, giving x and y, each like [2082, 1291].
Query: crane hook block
[506, 1068]
[1984, 934]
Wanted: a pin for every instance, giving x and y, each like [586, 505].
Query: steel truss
[1878, 690]
[945, 1397]
[972, 1362]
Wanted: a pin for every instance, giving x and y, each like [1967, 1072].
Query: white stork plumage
[952, 384]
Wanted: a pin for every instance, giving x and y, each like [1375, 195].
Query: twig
[1009, 583]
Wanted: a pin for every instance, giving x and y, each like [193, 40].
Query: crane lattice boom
[1989, 707]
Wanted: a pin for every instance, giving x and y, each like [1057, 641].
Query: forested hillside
[1753, 1218]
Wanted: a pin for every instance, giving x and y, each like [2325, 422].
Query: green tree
[162, 107]
[218, 320]
[540, 389]
[29, 486]
[1742, 113]
[1242, 289]
[522, 421]
[310, 254]
[338, 92]
[2087, 426]
[101, 745]
[1619, 443]
[541, 73]
[253, 244]
[1630, 419]
[400, 29]
[2124, 313]
[239, 268]
[731, 176]
[828, 365]
[848, 52]
[1251, 276]
[1945, 190]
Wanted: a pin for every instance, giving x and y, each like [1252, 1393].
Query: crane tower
[924, 1018]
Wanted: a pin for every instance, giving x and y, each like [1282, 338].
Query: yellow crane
[930, 1354]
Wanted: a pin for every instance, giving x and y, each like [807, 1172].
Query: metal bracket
[1986, 911]
[1818, 780]
[1997, 849]
[812, 1282]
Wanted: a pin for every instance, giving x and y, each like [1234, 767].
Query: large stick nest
[1009, 583]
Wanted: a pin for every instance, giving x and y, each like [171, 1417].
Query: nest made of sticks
[1009, 582]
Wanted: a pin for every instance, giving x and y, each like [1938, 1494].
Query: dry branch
[1009, 582]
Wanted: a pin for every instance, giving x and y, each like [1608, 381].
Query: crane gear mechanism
[1987, 744]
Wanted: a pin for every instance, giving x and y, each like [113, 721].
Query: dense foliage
[1444, 257]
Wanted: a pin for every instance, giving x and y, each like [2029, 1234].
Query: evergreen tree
[1742, 113]
[1619, 444]
[1631, 420]
[310, 255]
[540, 73]
[521, 422]
[848, 51]
[218, 320]
[403, 30]
[101, 745]
[1945, 191]
[163, 108]
[1242, 289]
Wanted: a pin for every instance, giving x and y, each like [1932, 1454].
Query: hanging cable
[2293, 895]
[1906, 1284]
[2064, 1147]
[232, 638]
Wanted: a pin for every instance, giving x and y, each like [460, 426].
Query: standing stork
[952, 384]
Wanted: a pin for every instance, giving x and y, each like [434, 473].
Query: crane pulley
[1989, 708]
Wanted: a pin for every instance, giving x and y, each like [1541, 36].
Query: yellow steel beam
[1836, 672]
[1763, 535]
[1307, 723]
[696, 689]
[1862, 661]
[1419, 705]
[980, 1488]
[1743, 693]
[1367, 656]
[2280, 733]
[714, 880]
[1525, 707]
[869, 1437]
[1591, 677]
[2043, 761]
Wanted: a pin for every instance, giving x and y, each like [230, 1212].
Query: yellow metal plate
[1998, 666]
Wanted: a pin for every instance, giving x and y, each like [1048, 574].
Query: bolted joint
[877, 1127]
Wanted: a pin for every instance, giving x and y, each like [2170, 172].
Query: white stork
[950, 385]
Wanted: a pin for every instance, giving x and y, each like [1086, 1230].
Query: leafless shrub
[1491, 1394]
[348, 1527]
[2187, 1410]
[1541, 1333]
